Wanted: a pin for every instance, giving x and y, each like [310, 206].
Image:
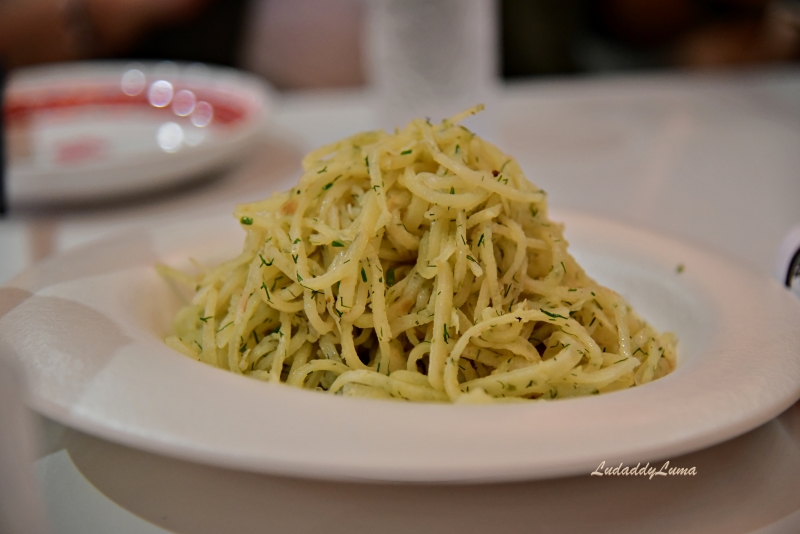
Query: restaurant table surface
[712, 159]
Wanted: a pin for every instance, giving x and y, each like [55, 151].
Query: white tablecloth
[711, 159]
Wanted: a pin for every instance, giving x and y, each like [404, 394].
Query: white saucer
[87, 326]
[86, 131]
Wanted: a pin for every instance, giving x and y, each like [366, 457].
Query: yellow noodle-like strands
[418, 265]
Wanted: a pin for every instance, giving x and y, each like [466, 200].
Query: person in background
[306, 43]
[45, 31]
[551, 37]
[318, 43]
[707, 33]
[293, 43]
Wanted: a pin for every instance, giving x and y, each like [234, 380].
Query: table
[710, 158]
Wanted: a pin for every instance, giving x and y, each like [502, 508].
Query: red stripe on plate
[228, 109]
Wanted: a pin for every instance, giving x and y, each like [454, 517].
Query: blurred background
[320, 43]
[678, 116]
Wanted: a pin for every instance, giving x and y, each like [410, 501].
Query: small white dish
[88, 326]
[87, 131]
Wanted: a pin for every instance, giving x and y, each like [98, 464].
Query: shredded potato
[421, 266]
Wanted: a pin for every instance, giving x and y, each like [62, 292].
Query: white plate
[85, 131]
[87, 326]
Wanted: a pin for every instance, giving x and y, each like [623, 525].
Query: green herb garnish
[554, 315]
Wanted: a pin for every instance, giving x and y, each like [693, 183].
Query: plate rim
[307, 469]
